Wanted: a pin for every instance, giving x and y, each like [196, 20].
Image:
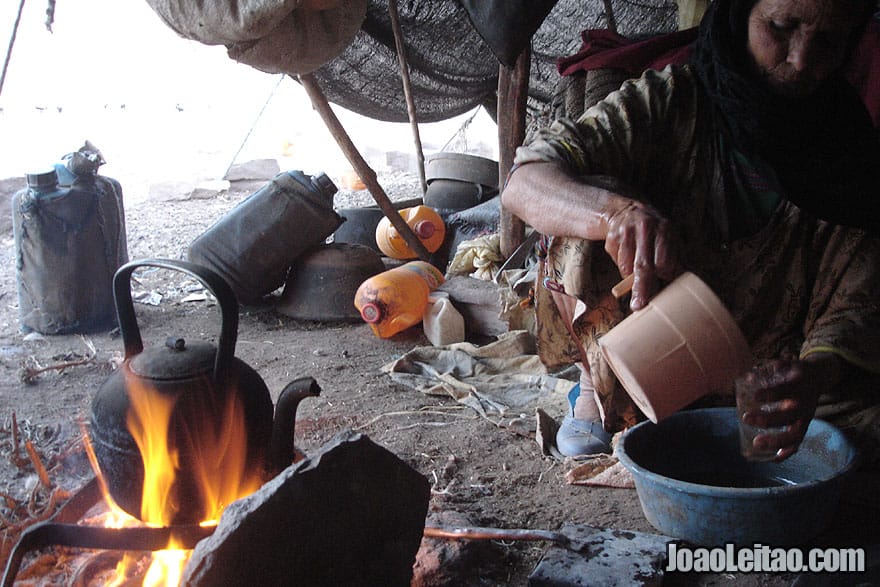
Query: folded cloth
[601, 471]
[502, 380]
[603, 49]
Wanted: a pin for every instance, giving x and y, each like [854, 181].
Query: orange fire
[216, 460]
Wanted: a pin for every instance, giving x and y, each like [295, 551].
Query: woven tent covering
[453, 47]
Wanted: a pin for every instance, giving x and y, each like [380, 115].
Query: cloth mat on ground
[504, 381]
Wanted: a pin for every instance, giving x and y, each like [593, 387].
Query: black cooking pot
[207, 385]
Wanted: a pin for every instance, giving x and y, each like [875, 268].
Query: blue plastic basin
[694, 485]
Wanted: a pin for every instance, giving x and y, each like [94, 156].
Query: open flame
[214, 456]
[148, 420]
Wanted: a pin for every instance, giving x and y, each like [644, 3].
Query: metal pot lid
[176, 359]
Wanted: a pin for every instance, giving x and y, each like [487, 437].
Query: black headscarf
[823, 149]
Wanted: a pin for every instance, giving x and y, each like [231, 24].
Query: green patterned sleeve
[635, 133]
[844, 316]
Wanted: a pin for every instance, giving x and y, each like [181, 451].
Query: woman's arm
[640, 136]
[556, 203]
[637, 237]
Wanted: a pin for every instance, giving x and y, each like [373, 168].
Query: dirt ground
[490, 475]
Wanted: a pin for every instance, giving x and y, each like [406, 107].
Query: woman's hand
[640, 241]
[787, 394]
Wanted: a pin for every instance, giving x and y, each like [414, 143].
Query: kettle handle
[131, 334]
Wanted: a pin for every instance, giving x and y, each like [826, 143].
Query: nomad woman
[755, 166]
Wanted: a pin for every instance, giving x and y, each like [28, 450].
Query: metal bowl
[321, 285]
[457, 181]
[694, 485]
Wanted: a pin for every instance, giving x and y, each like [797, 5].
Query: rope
[462, 130]
[251, 129]
[11, 43]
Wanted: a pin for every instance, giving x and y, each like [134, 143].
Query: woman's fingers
[775, 414]
[638, 242]
[785, 405]
[624, 243]
[665, 256]
[643, 264]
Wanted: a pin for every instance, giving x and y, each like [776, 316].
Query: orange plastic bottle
[396, 299]
[424, 221]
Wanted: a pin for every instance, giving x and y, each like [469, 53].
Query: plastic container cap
[324, 184]
[46, 178]
[425, 229]
[371, 313]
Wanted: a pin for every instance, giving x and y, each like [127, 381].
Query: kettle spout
[282, 449]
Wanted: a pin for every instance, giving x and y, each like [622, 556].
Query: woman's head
[795, 45]
[804, 121]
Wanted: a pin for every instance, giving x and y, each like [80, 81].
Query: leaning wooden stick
[407, 90]
[322, 106]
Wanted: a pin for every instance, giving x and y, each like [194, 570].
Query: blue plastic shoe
[577, 438]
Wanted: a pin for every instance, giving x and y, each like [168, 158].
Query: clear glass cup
[747, 385]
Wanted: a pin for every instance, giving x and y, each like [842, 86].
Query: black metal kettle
[207, 389]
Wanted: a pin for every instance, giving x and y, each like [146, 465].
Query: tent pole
[407, 89]
[513, 89]
[363, 169]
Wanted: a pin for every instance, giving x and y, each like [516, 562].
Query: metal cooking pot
[207, 384]
[322, 283]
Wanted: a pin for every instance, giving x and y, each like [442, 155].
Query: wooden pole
[513, 88]
[407, 90]
[690, 13]
[363, 169]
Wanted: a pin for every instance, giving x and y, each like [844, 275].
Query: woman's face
[798, 44]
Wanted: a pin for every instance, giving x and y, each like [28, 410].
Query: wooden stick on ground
[366, 173]
[479, 533]
[30, 373]
[14, 436]
[38, 464]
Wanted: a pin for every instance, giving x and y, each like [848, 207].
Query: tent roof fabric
[348, 45]
[452, 69]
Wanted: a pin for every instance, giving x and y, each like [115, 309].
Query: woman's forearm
[554, 203]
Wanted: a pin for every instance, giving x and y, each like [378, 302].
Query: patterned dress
[795, 284]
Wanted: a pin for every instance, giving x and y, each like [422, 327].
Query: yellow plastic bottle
[396, 299]
[424, 221]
